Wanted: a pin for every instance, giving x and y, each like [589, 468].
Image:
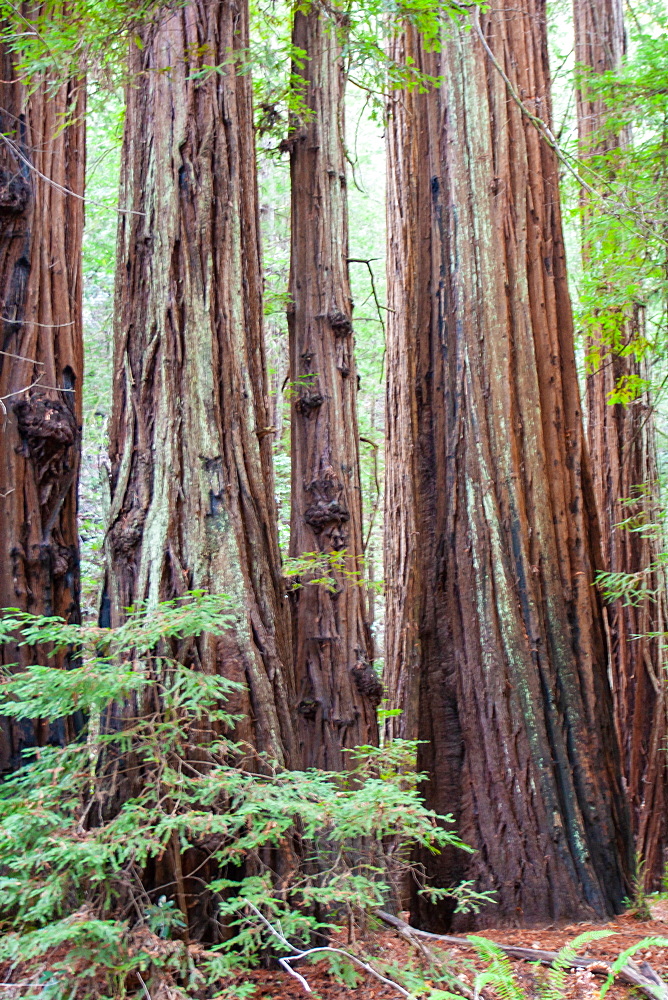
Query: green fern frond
[554, 986]
[623, 957]
[499, 972]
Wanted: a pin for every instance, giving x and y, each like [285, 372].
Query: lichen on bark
[192, 497]
[501, 657]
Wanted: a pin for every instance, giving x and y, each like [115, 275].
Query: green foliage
[343, 970]
[364, 29]
[104, 128]
[554, 987]
[57, 40]
[622, 290]
[322, 569]
[71, 39]
[638, 904]
[433, 981]
[500, 975]
[647, 518]
[77, 853]
[623, 957]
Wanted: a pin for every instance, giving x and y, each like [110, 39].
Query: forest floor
[391, 950]
[385, 950]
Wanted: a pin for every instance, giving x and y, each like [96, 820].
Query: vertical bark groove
[512, 689]
[192, 504]
[41, 364]
[337, 689]
[622, 449]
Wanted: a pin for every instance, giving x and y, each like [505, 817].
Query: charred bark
[336, 687]
[502, 622]
[192, 503]
[623, 456]
[41, 365]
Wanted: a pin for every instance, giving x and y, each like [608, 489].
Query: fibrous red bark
[41, 363]
[501, 622]
[411, 494]
[623, 455]
[192, 505]
[336, 687]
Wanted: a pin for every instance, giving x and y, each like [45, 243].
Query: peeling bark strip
[192, 484]
[622, 449]
[337, 689]
[41, 230]
[512, 692]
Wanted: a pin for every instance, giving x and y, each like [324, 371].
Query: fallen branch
[643, 977]
[324, 950]
[409, 934]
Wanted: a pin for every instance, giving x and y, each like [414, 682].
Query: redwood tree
[411, 497]
[192, 503]
[500, 545]
[622, 449]
[41, 361]
[336, 687]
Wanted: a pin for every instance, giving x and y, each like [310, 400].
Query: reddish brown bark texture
[192, 503]
[411, 494]
[498, 543]
[41, 229]
[621, 445]
[337, 689]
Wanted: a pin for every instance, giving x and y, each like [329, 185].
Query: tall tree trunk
[622, 449]
[192, 503]
[336, 687]
[411, 495]
[41, 364]
[512, 692]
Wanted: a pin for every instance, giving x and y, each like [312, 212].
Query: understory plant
[156, 828]
[552, 983]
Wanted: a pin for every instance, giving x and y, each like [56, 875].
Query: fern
[554, 985]
[624, 956]
[499, 972]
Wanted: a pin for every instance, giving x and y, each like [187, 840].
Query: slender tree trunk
[512, 689]
[337, 689]
[41, 365]
[622, 449]
[374, 504]
[192, 502]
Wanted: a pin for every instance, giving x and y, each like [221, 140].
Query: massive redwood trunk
[499, 540]
[336, 687]
[41, 363]
[622, 449]
[192, 503]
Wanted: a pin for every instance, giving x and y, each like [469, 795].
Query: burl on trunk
[41, 364]
[336, 686]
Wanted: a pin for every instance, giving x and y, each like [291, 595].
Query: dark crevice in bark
[495, 646]
[337, 690]
[41, 231]
[622, 447]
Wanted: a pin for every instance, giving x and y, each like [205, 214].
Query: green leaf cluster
[77, 854]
